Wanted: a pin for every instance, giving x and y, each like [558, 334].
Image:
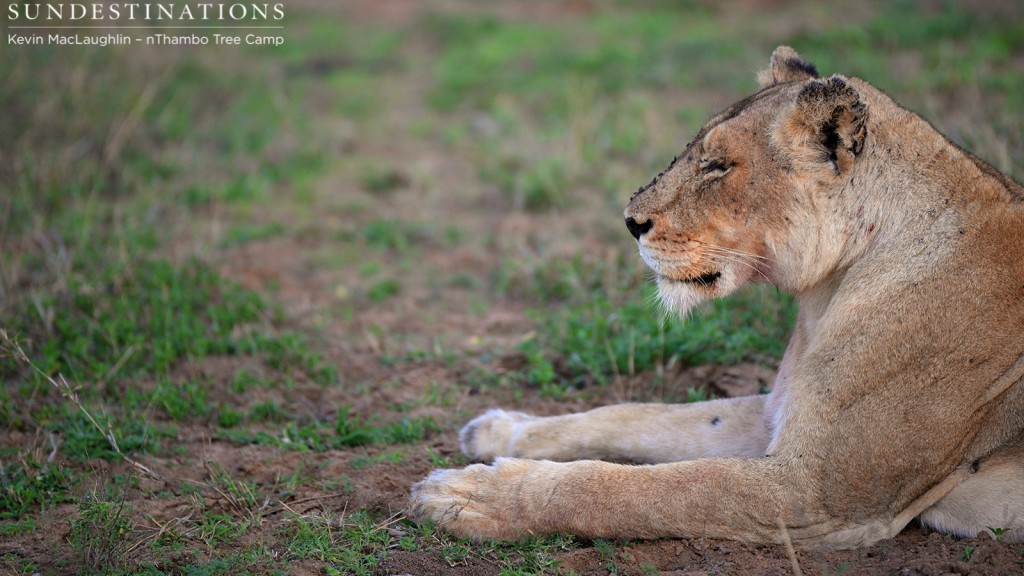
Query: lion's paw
[492, 434]
[475, 502]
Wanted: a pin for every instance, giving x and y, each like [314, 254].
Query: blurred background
[346, 246]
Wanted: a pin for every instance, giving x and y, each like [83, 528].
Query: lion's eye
[714, 168]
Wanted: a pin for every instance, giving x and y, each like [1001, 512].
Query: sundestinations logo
[149, 23]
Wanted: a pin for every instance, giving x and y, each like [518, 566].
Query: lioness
[901, 393]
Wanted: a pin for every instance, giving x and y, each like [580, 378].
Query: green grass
[246, 379]
[347, 431]
[599, 318]
[599, 339]
[383, 289]
[18, 527]
[83, 441]
[357, 547]
[30, 486]
[382, 179]
[484, 58]
[266, 411]
[362, 543]
[139, 319]
[244, 234]
[392, 234]
[100, 535]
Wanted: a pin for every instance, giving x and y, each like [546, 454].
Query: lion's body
[901, 393]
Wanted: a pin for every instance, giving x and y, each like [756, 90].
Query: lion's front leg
[736, 498]
[513, 498]
[644, 433]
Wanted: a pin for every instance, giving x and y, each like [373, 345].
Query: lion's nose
[638, 229]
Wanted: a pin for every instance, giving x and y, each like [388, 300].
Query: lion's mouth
[706, 279]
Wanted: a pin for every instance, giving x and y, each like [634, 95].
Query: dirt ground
[427, 342]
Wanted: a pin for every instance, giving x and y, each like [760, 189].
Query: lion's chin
[679, 296]
[682, 295]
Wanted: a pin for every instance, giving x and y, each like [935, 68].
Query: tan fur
[901, 394]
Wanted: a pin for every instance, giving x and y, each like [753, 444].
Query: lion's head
[748, 199]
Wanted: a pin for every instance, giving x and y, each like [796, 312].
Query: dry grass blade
[10, 347]
[157, 531]
[789, 549]
[239, 496]
[282, 506]
[130, 123]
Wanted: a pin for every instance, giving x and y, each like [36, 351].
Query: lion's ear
[828, 123]
[786, 66]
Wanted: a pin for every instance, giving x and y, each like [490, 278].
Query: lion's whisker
[734, 258]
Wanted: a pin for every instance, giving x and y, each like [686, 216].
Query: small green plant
[218, 528]
[244, 499]
[998, 533]
[101, 532]
[246, 379]
[351, 431]
[181, 401]
[534, 555]
[383, 289]
[228, 417]
[366, 460]
[554, 390]
[382, 179]
[696, 394]
[406, 430]
[244, 234]
[290, 352]
[967, 553]
[342, 484]
[266, 411]
[407, 543]
[18, 566]
[309, 536]
[539, 370]
[455, 552]
[356, 547]
[388, 234]
[18, 527]
[440, 393]
[606, 550]
[438, 460]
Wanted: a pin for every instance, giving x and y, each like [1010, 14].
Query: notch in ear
[828, 123]
[786, 66]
